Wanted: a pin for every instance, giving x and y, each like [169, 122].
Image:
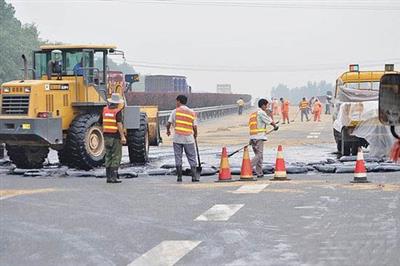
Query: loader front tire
[84, 148]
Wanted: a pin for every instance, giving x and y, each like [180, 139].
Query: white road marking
[251, 189]
[167, 253]
[315, 133]
[312, 137]
[219, 212]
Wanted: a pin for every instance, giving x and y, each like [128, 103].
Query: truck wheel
[84, 148]
[138, 142]
[27, 157]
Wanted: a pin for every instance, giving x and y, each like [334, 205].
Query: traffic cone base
[246, 172]
[224, 169]
[280, 169]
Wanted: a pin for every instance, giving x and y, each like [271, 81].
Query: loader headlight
[27, 90]
[6, 90]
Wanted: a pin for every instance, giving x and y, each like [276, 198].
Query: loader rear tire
[84, 148]
[27, 157]
[138, 142]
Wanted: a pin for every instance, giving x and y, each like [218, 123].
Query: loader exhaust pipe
[25, 67]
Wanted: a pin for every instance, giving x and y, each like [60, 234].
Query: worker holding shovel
[184, 122]
[258, 123]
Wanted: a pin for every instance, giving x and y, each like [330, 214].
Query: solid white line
[251, 189]
[219, 212]
[167, 253]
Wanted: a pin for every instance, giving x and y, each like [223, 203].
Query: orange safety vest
[184, 120]
[110, 120]
[253, 125]
[317, 107]
[303, 104]
[285, 106]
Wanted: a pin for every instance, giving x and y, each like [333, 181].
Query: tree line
[17, 38]
[295, 94]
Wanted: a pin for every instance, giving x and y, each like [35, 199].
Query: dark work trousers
[190, 152]
[113, 151]
[304, 112]
[257, 161]
[240, 110]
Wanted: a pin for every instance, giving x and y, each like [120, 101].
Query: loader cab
[88, 63]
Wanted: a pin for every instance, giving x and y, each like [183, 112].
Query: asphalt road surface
[313, 219]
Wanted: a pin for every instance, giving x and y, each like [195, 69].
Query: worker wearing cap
[258, 123]
[285, 110]
[183, 119]
[114, 136]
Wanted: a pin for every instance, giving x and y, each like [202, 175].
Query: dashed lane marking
[167, 253]
[312, 137]
[219, 212]
[315, 133]
[250, 189]
[9, 193]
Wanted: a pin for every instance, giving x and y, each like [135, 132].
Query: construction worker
[240, 104]
[54, 66]
[185, 126]
[114, 137]
[258, 122]
[317, 109]
[275, 106]
[285, 110]
[304, 107]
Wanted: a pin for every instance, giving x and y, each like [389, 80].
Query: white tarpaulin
[359, 108]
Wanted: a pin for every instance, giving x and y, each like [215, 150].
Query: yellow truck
[356, 98]
[61, 107]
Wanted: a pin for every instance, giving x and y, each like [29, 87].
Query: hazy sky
[252, 47]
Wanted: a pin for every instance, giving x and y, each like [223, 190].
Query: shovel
[298, 111]
[198, 168]
[233, 153]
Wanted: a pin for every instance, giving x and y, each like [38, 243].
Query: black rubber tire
[138, 142]
[27, 157]
[75, 153]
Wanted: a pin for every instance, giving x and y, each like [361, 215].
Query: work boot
[108, 174]
[179, 173]
[195, 175]
[114, 176]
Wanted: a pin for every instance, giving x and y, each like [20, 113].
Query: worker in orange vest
[114, 137]
[303, 106]
[184, 122]
[317, 109]
[285, 110]
[258, 122]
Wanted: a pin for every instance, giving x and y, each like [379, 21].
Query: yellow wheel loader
[61, 108]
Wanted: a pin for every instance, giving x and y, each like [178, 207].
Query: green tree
[15, 39]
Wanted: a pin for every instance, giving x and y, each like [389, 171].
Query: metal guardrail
[205, 113]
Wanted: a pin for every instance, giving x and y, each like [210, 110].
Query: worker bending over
[285, 110]
[258, 123]
[114, 137]
[185, 126]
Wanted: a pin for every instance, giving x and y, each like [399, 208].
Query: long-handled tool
[238, 150]
[198, 168]
[297, 113]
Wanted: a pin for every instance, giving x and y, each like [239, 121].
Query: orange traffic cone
[224, 169]
[280, 169]
[360, 172]
[246, 172]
